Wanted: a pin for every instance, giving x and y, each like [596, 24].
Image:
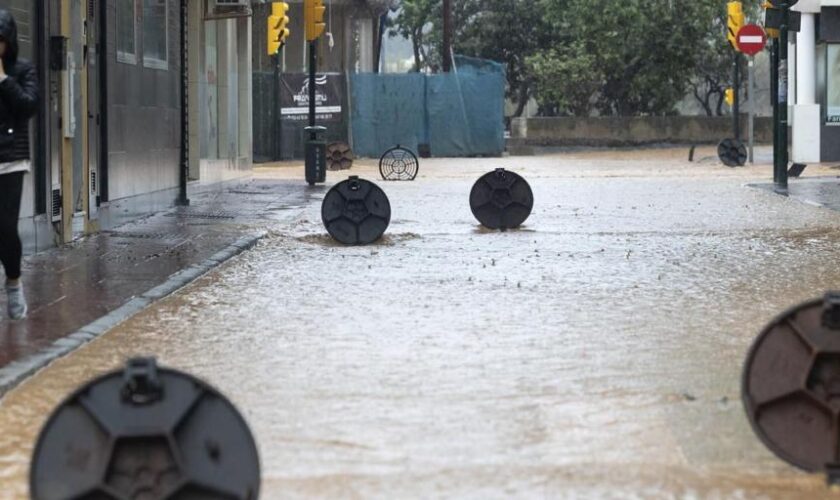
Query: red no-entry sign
[751, 39]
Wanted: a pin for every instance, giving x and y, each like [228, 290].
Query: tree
[713, 64]
[412, 23]
[506, 31]
[639, 51]
[643, 53]
[583, 57]
[509, 32]
[568, 78]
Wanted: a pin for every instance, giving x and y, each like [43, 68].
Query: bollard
[501, 200]
[356, 212]
[399, 164]
[732, 153]
[791, 386]
[145, 432]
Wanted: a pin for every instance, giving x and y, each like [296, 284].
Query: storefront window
[833, 84]
[127, 31]
[155, 33]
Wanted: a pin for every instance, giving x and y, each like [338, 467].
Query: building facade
[142, 101]
[814, 83]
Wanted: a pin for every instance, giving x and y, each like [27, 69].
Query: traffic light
[278, 30]
[735, 21]
[314, 17]
[729, 95]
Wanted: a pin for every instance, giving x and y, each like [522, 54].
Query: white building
[814, 83]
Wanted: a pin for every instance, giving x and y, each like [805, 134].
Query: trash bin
[316, 155]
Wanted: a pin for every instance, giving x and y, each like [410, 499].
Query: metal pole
[183, 197]
[736, 105]
[751, 96]
[774, 92]
[448, 28]
[782, 185]
[313, 64]
[276, 124]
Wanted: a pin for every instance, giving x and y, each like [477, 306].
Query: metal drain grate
[143, 236]
[203, 215]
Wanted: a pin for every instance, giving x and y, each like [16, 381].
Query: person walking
[18, 104]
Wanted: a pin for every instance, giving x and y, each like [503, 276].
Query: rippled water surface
[594, 353]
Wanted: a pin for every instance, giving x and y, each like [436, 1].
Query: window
[127, 31]
[155, 33]
[833, 84]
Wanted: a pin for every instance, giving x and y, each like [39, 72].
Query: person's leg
[11, 190]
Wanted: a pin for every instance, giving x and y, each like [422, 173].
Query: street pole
[313, 64]
[448, 28]
[183, 199]
[782, 184]
[276, 125]
[774, 92]
[751, 95]
[736, 104]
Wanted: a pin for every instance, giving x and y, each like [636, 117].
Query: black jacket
[18, 96]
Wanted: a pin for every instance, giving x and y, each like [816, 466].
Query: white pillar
[792, 63]
[806, 62]
[806, 112]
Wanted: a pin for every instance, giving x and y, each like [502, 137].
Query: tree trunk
[416, 45]
[706, 102]
[524, 95]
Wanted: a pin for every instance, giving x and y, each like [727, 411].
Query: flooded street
[596, 352]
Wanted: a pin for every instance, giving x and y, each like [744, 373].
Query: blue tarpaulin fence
[455, 114]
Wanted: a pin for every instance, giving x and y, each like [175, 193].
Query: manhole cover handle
[831, 311]
[141, 383]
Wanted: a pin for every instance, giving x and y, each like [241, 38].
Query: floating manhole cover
[145, 433]
[791, 386]
[502, 200]
[732, 153]
[356, 212]
[399, 164]
[339, 156]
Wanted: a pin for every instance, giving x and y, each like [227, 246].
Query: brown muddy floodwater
[596, 353]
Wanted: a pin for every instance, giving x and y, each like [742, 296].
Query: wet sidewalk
[79, 291]
[818, 191]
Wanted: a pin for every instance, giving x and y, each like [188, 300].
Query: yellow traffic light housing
[729, 96]
[772, 32]
[314, 17]
[278, 30]
[735, 21]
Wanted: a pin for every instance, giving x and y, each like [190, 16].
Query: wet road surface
[72, 286]
[596, 352]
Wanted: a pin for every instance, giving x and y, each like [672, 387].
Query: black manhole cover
[732, 153]
[356, 212]
[502, 200]
[791, 386]
[145, 432]
[399, 164]
[339, 156]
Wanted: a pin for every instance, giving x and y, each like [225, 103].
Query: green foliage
[568, 78]
[507, 31]
[583, 57]
[639, 55]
